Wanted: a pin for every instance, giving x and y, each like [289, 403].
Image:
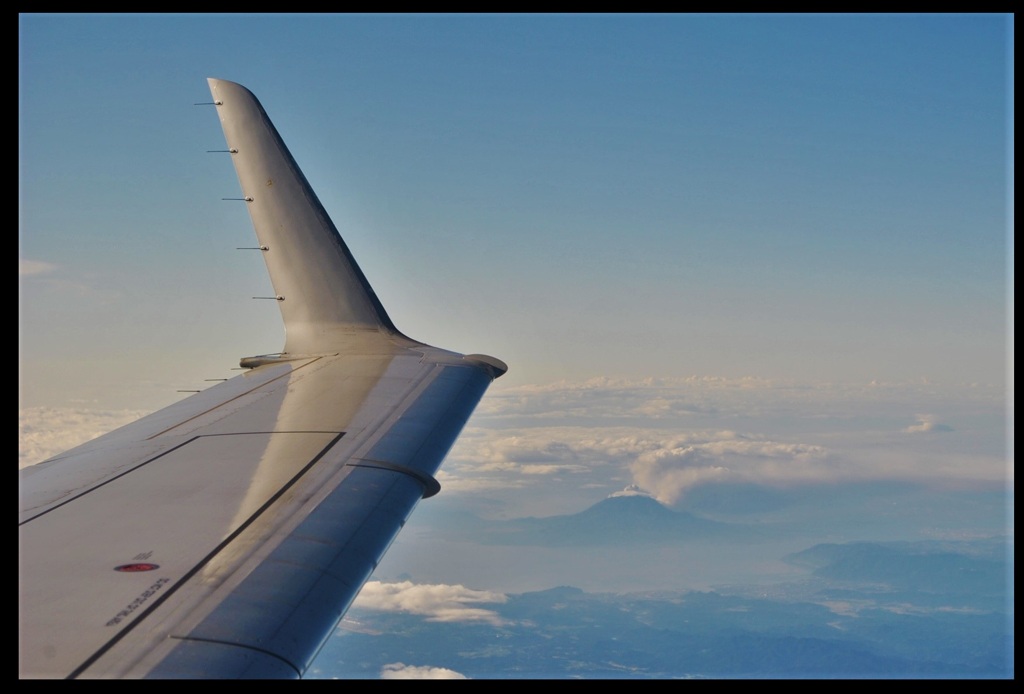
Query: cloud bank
[557, 448]
[401, 671]
[729, 457]
[34, 267]
[438, 602]
[573, 442]
[926, 423]
[44, 432]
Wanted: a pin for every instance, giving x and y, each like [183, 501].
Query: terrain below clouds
[849, 615]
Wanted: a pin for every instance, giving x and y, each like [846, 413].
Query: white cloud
[671, 470]
[630, 490]
[550, 469]
[551, 449]
[34, 267]
[43, 432]
[664, 462]
[669, 435]
[660, 400]
[548, 449]
[401, 671]
[437, 602]
[925, 423]
[472, 483]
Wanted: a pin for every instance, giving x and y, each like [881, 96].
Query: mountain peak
[633, 505]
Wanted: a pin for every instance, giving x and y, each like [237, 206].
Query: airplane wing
[226, 535]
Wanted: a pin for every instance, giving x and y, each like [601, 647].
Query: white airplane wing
[226, 535]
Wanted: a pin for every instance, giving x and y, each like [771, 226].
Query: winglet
[325, 296]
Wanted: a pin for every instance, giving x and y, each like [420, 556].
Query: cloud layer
[401, 671]
[438, 603]
[43, 432]
[34, 267]
[557, 448]
[670, 470]
[926, 423]
[579, 441]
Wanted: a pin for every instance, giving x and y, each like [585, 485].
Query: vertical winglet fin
[323, 295]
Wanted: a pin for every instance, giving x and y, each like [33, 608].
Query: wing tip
[496, 366]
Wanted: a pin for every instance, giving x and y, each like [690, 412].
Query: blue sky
[801, 196]
[776, 245]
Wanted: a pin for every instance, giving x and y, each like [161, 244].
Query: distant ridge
[630, 519]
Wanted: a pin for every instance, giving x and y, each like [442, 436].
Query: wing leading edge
[226, 535]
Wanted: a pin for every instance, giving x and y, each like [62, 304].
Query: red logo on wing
[141, 566]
